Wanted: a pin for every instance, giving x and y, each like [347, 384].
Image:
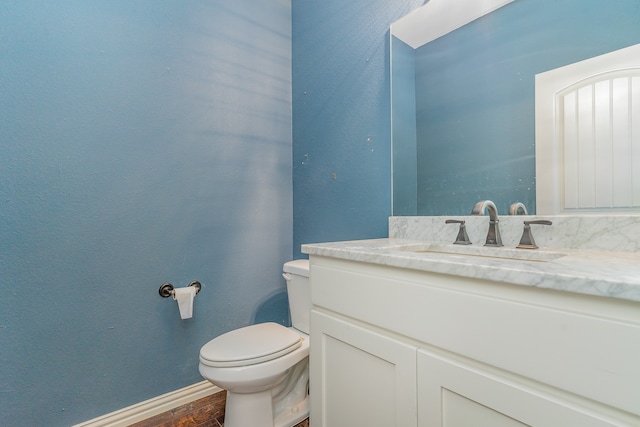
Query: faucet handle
[526, 241]
[463, 237]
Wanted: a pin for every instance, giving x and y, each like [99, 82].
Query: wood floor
[205, 412]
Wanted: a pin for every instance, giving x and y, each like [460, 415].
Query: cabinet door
[453, 394]
[359, 377]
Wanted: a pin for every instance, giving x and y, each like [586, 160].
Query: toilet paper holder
[166, 290]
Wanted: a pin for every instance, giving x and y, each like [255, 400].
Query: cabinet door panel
[453, 394]
[459, 411]
[360, 377]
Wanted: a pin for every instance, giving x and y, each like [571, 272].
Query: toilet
[265, 367]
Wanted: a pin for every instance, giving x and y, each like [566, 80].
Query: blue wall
[341, 115]
[404, 174]
[150, 141]
[475, 108]
[140, 142]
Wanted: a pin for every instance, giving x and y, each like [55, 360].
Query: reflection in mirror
[463, 105]
[588, 135]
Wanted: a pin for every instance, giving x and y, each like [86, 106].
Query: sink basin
[484, 251]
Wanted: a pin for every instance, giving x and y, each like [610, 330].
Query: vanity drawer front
[556, 340]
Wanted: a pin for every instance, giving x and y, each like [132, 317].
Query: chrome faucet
[493, 235]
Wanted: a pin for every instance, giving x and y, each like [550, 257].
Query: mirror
[463, 94]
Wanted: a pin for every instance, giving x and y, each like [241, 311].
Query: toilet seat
[250, 345]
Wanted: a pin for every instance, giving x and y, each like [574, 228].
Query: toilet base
[293, 415]
[254, 409]
[291, 397]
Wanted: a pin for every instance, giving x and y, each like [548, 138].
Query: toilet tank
[296, 273]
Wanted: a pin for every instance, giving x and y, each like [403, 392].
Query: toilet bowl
[264, 367]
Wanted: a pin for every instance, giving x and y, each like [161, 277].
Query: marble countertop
[614, 274]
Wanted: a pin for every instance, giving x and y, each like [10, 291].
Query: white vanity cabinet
[399, 347]
[352, 360]
[454, 394]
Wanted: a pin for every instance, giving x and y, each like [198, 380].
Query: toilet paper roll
[184, 296]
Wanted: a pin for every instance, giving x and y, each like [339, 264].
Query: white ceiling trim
[440, 17]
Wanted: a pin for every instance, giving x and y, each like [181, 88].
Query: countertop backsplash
[597, 232]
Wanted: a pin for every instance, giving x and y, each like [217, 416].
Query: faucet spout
[518, 208]
[493, 235]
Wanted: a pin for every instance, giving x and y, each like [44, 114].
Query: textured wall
[341, 115]
[404, 174]
[140, 142]
[475, 103]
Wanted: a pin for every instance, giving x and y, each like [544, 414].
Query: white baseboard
[155, 406]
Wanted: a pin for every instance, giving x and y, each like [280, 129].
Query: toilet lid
[250, 345]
